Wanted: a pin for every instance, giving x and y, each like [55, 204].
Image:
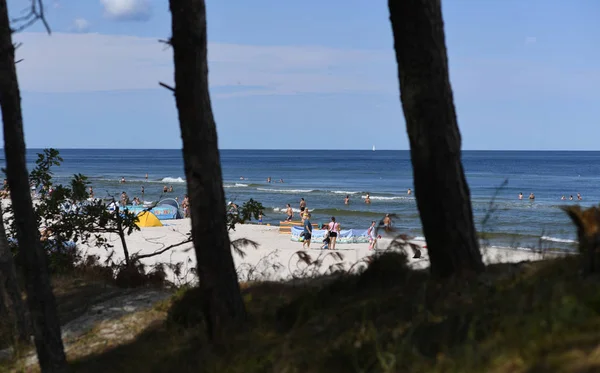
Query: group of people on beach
[562, 198]
[333, 228]
[330, 239]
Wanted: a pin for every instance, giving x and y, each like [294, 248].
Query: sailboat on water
[373, 147]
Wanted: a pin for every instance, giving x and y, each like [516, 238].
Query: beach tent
[148, 219]
[172, 202]
[162, 211]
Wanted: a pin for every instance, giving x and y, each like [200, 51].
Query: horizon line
[327, 150]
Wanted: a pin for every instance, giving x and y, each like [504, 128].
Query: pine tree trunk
[218, 279]
[40, 299]
[10, 292]
[441, 189]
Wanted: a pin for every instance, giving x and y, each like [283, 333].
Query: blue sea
[323, 178]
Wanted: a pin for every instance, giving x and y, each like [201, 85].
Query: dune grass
[528, 317]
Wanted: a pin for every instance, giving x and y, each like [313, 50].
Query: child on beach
[372, 237]
[326, 242]
[260, 218]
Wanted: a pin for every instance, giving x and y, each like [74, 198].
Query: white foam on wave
[285, 190]
[382, 198]
[173, 180]
[343, 192]
[283, 209]
[236, 185]
[556, 239]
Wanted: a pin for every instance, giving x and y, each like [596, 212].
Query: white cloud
[97, 62]
[530, 40]
[127, 10]
[81, 25]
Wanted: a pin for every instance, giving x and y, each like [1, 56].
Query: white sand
[275, 259]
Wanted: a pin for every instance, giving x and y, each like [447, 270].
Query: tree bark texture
[10, 292]
[441, 189]
[40, 299]
[223, 304]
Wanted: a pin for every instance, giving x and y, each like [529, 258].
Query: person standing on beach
[371, 234]
[334, 229]
[124, 199]
[186, 206]
[307, 232]
[302, 205]
[387, 223]
[289, 212]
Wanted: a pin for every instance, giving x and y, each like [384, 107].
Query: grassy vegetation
[528, 317]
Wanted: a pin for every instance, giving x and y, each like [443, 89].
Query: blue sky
[310, 74]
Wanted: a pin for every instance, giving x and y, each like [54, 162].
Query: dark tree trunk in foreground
[40, 299]
[218, 279]
[10, 292]
[441, 189]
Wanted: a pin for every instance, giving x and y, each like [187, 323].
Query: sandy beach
[277, 256]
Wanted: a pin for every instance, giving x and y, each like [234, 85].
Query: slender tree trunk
[40, 299]
[441, 189]
[10, 292]
[122, 236]
[218, 278]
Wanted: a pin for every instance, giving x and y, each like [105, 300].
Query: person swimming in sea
[347, 200]
[302, 204]
[368, 199]
[579, 197]
[563, 198]
[409, 192]
[531, 196]
[521, 195]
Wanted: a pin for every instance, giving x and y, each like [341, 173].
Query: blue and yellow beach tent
[147, 219]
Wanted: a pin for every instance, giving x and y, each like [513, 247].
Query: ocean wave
[236, 185]
[343, 192]
[173, 180]
[283, 209]
[520, 248]
[382, 198]
[286, 190]
[556, 239]
[376, 215]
